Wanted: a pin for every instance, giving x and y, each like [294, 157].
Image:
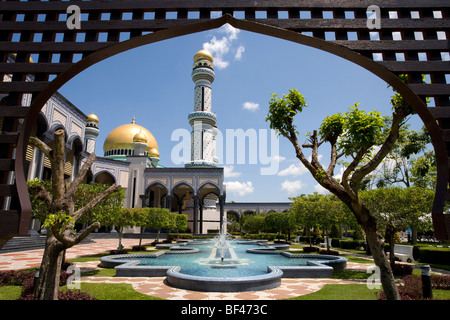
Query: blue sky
[154, 84]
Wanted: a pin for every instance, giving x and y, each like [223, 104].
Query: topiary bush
[435, 255]
[351, 244]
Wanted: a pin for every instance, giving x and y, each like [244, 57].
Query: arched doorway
[104, 177]
[156, 197]
[210, 220]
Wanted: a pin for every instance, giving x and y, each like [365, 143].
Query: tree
[397, 208]
[62, 215]
[253, 223]
[352, 135]
[408, 164]
[303, 209]
[126, 217]
[181, 221]
[160, 218]
[280, 222]
[317, 210]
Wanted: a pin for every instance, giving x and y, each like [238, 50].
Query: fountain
[223, 264]
[222, 244]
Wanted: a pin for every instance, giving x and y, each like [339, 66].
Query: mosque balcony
[202, 116]
[203, 73]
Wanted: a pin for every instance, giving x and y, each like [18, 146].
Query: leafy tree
[62, 214]
[181, 221]
[278, 222]
[253, 223]
[160, 218]
[303, 211]
[397, 208]
[318, 210]
[126, 217]
[353, 135]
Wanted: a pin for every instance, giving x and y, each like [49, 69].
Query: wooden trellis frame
[413, 40]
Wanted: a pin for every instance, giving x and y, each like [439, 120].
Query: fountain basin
[244, 268]
[214, 284]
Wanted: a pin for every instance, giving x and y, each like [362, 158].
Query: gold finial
[133, 121]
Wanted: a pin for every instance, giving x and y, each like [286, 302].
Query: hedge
[172, 236]
[268, 236]
[434, 255]
[351, 244]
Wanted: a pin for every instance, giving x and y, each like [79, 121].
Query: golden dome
[203, 54]
[153, 152]
[140, 137]
[123, 136]
[92, 117]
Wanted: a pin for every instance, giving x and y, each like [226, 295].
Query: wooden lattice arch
[413, 40]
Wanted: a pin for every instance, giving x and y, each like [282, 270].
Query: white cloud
[241, 188]
[219, 48]
[291, 187]
[239, 52]
[229, 173]
[293, 170]
[251, 106]
[279, 158]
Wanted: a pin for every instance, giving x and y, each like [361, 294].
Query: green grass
[10, 292]
[113, 291]
[341, 292]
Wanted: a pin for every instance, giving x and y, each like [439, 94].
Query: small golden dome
[203, 54]
[153, 153]
[140, 137]
[123, 136]
[92, 117]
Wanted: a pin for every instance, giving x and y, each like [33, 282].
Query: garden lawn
[341, 292]
[113, 291]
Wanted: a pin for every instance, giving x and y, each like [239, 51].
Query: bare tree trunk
[376, 244]
[50, 271]
[60, 238]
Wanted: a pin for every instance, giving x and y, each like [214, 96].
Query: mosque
[131, 158]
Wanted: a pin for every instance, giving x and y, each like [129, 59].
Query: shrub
[138, 248]
[412, 287]
[74, 295]
[335, 242]
[440, 282]
[14, 278]
[311, 249]
[172, 236]
[267, 236]
[351, 244]
[435, 255]
[115, 251]
[329, 252]
[401, 269]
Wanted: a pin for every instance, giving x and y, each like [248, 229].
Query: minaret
[202, 120]
[91, 133]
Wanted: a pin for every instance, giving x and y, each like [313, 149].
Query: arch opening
[345, 53]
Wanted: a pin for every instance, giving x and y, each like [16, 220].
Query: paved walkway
[155, 286]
